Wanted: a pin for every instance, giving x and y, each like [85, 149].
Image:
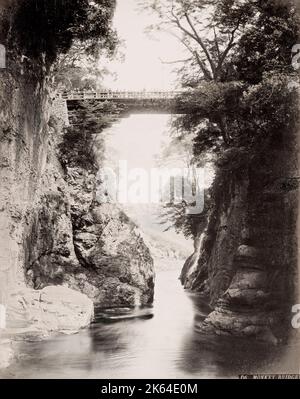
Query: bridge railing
[120, 95]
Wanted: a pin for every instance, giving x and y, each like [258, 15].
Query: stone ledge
[52, 309]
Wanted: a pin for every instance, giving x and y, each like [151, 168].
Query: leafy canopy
[47, 28]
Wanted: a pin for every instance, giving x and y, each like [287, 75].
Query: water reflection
[162, 343]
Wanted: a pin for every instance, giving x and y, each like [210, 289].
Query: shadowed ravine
[161, 343]
[149, 214]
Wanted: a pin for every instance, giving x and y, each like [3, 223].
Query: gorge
[68, 259]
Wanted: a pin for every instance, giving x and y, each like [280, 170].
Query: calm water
[161, 343]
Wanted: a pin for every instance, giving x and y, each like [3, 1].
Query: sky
[139, 138]
[142, 68]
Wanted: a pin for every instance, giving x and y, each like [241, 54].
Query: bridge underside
[132, 106]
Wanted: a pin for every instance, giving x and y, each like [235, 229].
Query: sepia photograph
[149, 192]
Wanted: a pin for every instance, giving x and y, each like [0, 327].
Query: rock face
[246, 258]
[53, 308]
[112, 248]
[52, 231]
[38, 313]
[190, 276]
[92, 247]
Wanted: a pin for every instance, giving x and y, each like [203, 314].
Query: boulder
[117, 265]
[52, 309]
[89, 247]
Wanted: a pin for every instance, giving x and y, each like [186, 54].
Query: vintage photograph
[149, 190]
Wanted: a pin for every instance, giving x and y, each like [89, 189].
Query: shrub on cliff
[83, 142]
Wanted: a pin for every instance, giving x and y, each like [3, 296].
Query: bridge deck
[119, 95]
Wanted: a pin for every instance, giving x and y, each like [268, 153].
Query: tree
[241, 104]
[83, 143]
[255, 103]
[266, 45]
[44, 29]
[78, 70]
[208, 30]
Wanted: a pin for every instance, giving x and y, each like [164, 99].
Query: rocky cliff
[245, 260]
[27, 180]
[53, 233]
[91, 247]
[53, 230]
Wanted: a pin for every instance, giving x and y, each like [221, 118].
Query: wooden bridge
[68, 102]
[118, 95]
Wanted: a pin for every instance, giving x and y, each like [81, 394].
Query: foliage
[255, 106]
[175, 217]
[266, 47]
[241, 102]
[83, 142]
[78, 70]
[207, 29]
[238, 115]
[47, 28]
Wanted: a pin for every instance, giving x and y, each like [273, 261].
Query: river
[159, 342]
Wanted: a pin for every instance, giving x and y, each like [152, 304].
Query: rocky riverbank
[60, 249]
[245, 260]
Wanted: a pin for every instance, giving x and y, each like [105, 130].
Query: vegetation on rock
[47, 28]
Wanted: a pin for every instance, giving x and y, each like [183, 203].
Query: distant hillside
[165, 245]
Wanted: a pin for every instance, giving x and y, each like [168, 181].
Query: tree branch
[217, 44]
[201, 64]
[175, 61]
[205, 71]
[199, 40]
[230, 45]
